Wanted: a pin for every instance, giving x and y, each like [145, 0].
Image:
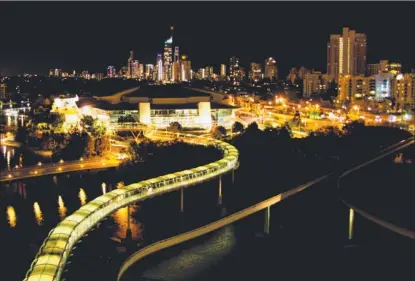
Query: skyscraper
[271, 71]
[111, 71]
[168, 58]
[346, 54]
[255, 73]
[136, 66]
[208, 72]
[2, 91]
[233, 66]
[159, 67]
[223, 71]
[130, 65]
[185, 69]
[149, 71]
[176, 53]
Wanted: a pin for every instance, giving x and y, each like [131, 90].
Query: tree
[219, 132]
[22, 135]
[175, 127]
[102, 145]
[237, 127]
[99, 130]
[89, 146]
[58, 121]
[87, 122]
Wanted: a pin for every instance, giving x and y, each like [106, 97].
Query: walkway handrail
[55, 250]
[169, 242]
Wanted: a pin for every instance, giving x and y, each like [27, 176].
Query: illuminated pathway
[55, 250]
[264, 205]
[57, 168]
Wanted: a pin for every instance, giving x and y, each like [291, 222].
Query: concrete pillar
[267, 220]
[351, 223]
[233, 175]
[181, 200]
[220, 191]
[129, 234]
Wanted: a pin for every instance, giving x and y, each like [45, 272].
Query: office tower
[186, 69]
[271, 71]
[403, 91]
[353, 87]
[159, 67]
[149, 71]
[168, 58]
[236, 72]
[3, 91]
[223, 71]
[346, 54]
[255, 73]
[176, 71]
[130, 65]
[176, 53]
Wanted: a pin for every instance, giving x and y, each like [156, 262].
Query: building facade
[271, 71]
[3, 91]
[255, 72]
[404, 91]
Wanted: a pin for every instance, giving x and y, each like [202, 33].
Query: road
[57, 168]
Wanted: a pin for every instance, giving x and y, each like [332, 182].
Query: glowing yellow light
[36, 172]
[82, 196]
[61, 209]
[39, 164]
[82, 165]
[59, 169]
[61, 161]
[81, 159]
[104, 188]
[9, 176]
[38, 213]
[11, 216]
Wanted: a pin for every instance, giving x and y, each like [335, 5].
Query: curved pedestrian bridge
[55, 250]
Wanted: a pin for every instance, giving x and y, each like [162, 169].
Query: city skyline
[96, 46]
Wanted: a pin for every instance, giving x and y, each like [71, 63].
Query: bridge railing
[55, 250]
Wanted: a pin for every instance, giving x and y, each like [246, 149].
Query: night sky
[76, 35]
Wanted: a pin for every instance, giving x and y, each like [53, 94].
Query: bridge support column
[220, 191]
[181, 200]
[129, 235]
[233, 175]
[267, 220]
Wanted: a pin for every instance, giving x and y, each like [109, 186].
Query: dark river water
[313, 235]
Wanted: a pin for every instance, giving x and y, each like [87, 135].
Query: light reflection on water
[11, 216]
[61, 209]
[82, 196]
[38, 213]
[351, 222]
[121, 219]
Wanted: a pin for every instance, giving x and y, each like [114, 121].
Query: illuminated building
[383, 85]
[51, 72]
[67, 105]
[130, 65]
[403, 91]
[168, 58]
[223, 71]
[123, 71]
[201, 73]
[99, 76]
[302, 72]
[135, 69]
[395, 68]
[85, 75]
[186, 69]
[140, 71]
[176, 54]
[159, 67]
[346, 54]
[292, 76]
[208, 72]
[111, 71]
[149, 71]
[312, 83]
[383, 66]
[255, 74]
[354, 87]
[235, 71]
[176, 71]
[373, 69]
[55, 72]
[2, 91]
[271, 71]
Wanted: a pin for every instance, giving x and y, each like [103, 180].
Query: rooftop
[166, 91]
[106, 105]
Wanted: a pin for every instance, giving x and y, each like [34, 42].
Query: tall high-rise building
[185, 69]
[168, 58]
[130, 65]
[236, 72]
[346, 54]
[383, 85]
[175, 70]
[149, 71]
[312, 83]
[292, 76]
[3, 91]
[255, 73]
[111, 71]
[223, 71]
[302, 71]
[159, 67]
[176, 54]
[353, 87]
[271, 71]
[136, 69]
[208, 72]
